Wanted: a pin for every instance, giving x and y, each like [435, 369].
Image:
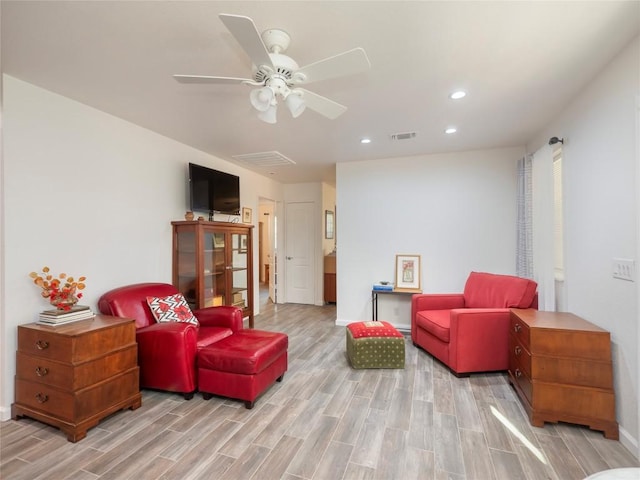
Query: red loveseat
[469, 331]
[167, 351]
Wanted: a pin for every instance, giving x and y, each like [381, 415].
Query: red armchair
[167, 351]
[469, 331]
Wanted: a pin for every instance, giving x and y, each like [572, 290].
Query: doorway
[299, 261]
[267, 250]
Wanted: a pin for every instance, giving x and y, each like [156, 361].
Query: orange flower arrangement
[60, 290]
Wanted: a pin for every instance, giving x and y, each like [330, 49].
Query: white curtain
[524, 247]
[543, 227]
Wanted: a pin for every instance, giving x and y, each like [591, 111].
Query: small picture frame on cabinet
[246, 215]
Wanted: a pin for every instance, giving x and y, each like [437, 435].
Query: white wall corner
[629, 441]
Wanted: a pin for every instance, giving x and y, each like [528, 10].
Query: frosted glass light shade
[261, 98]
[296, 104]
[269, 115]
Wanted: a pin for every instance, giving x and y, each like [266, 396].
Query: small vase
[64, 300]
[188, 216]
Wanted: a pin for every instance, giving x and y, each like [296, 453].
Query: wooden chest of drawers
[560, 367]
[330, 278]
[72, 376]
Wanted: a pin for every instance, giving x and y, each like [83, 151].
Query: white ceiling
[520, 62]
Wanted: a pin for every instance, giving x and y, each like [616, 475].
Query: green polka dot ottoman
[374, 345]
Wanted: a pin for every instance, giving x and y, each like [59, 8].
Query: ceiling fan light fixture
[262, 98]
[274, 74]
[268, 115]
[295, 103]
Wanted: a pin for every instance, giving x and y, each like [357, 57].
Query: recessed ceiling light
[458, 95]
[365, 140]
[451, 130]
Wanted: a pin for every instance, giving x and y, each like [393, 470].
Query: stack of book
[238, 300]
[383, 287]
[58, 317]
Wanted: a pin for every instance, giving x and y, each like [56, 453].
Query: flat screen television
[213, 191]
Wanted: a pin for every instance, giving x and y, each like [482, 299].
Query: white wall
[455, 210]
[89, 194]
[602, 210]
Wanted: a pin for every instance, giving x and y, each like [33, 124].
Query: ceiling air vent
[264, 159]
[403, 136]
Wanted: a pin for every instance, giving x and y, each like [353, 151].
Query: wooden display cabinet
[213, 264]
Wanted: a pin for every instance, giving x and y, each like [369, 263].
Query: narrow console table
[395, 291]
[560, 366]
[72, 376]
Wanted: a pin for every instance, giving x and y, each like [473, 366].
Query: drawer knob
[42, 345]
[41, 371]
[517, 327]
[518, 373]
[41, 397]
[517, 350]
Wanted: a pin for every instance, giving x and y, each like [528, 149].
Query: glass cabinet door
[186, 267]
[239, 273]
[214, 265]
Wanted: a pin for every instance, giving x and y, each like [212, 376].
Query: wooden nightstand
[71, 376]
[560, 367]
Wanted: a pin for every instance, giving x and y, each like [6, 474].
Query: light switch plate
[624, 269]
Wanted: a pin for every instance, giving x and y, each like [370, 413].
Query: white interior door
[299, 246]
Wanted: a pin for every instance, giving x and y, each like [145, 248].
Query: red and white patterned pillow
[173, 308]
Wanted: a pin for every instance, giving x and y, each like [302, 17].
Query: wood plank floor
[325, 421]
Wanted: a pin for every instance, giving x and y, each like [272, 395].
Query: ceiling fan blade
[247, 35]
[347, 63]
[322, 105]
[206, 79]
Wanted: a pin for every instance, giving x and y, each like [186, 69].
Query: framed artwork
[408, 272]
[246, 215]
[328, 224]
[243, 244]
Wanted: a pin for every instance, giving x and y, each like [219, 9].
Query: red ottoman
[242, 365]
[374, 345]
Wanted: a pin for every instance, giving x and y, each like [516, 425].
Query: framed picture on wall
[408, 272]
[246, 215]
[328, 224]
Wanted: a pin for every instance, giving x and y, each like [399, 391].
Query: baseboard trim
[629, 442]
[5, 414]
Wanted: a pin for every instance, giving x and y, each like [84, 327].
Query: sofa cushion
[436, 322]
[489, 290]
[245, 352]
[173, 308]
[373, 329]
[209, 335]
[130, 301]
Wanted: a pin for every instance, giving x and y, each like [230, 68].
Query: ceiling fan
[278, 76]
